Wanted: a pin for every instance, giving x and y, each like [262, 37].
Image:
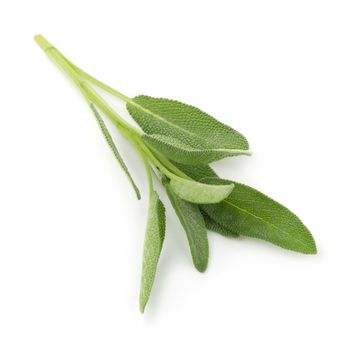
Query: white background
[71, 229]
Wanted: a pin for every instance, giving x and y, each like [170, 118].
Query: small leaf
[214, 226]
[194, 226]
[196, 129]
[181, 152]
[213, 222]
[153, 243]
[114, 149]
[196, 192]
[251, 213]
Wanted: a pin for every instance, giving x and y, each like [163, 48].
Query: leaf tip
[313, 248]
[42, 42]
[201, 266]
[142, 307]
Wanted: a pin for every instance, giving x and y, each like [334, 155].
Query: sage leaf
[214, 226]
[154, 237]
[196, 172]
[214, 222]
[181, 152]
[196, 192]
[194, 226]
[196, 129]
[114, 149]
[249, 212]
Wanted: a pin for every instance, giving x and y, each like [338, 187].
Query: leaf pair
[249, 212]
[185, 195]
[184, 133]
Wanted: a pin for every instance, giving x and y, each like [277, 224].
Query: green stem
[100, 84]
[77, 75]
[89, 93]
[126, 99]
[145, 150]
[149, 174]
[170, 165]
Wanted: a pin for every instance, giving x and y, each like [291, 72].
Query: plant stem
[149, 174]
[170, 165]
[89, 93]
[100, 83]
[78, 76]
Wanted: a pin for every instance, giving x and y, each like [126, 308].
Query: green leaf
[196, 172]
[196, 192]
[247, 211]
[214, 226]
[153, 243]
[181, 152]
[192, 129]
[213, 223]
[114, 149]
[194, 226]
[251, 213]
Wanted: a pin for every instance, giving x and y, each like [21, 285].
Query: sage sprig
[177, 142]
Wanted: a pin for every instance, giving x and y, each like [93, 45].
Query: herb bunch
[176, 143]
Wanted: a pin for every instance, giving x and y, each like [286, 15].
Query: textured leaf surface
[196, 172]
[214, 226]
[214, 222]
[154, 237]
[196, 192]
[190, 126]
[183, 153]
[194, 226]
[114, 149]
[251, 213]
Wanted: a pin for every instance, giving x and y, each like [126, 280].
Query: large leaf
[153, 243]
[192, 129]
[194, 226]
[181, 152]
[114, 149]
[196, 192]
[249, 212]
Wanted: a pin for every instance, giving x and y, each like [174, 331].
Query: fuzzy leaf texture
[181, 152]
[154, 237]
[185, 133]
[197, 192]
[114, 149]
[197, 173]
[194, 226]
[214, 226]
[249, 212]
